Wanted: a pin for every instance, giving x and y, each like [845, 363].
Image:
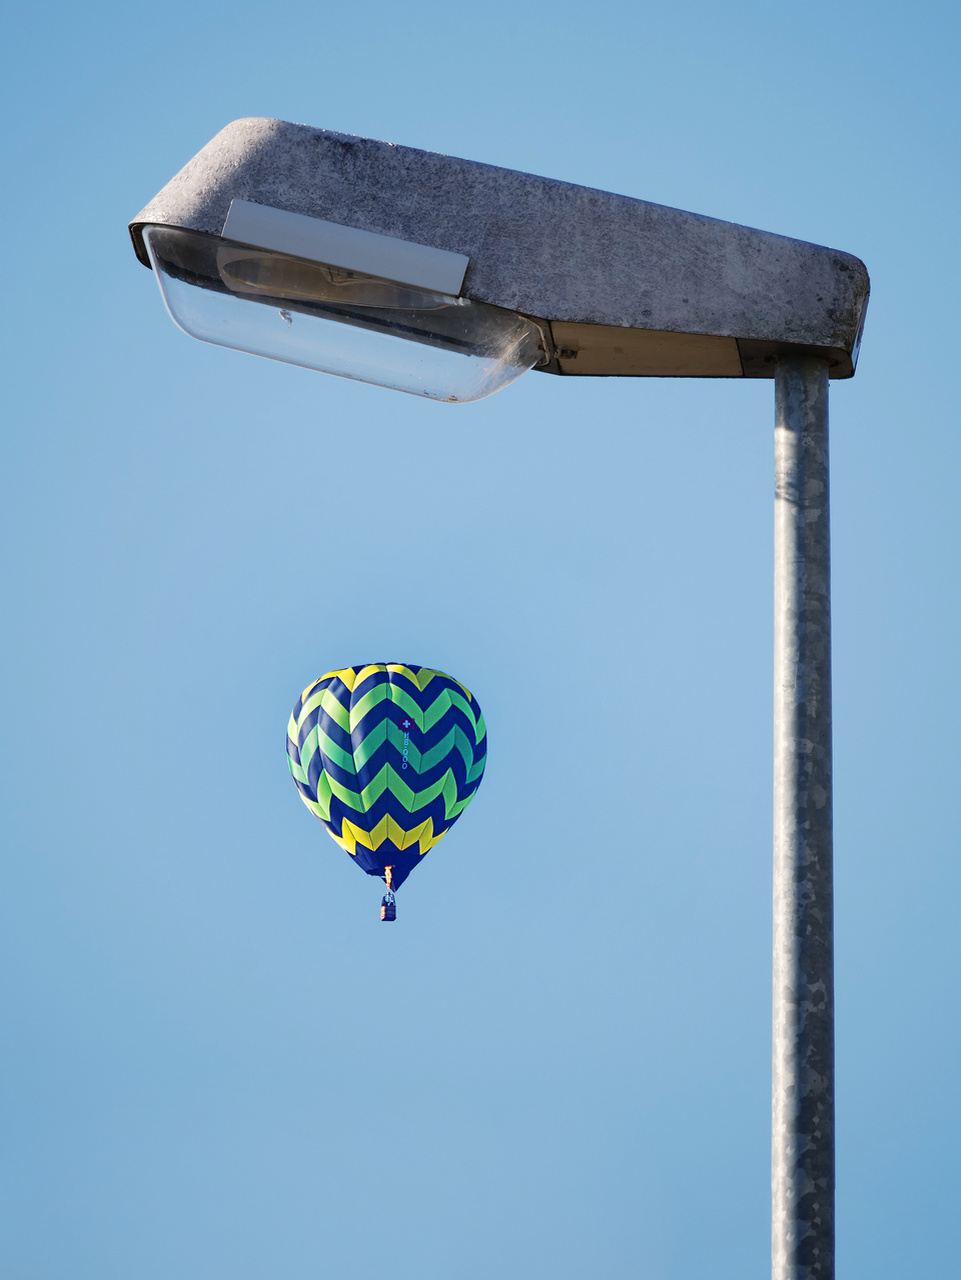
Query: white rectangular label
[349, 248]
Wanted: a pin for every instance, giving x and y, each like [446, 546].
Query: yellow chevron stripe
[470, 696]
[348, 837]
[384, 830]
[310, 688]
[388, 829]
[347, 845]
[369, 670]
[310, 697]
[422, 836]
[420, 679]
[428, 839]
[414, 837]
[423, 678]
[394, 831]
[351, 677]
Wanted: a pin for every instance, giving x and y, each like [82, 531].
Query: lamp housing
[449, 278]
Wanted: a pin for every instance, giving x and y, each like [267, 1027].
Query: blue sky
[216, 1063]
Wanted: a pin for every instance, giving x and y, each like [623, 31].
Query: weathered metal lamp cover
[299, 236]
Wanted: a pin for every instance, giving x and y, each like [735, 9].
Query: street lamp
[449, 279]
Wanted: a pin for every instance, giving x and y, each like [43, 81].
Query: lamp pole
[802, 1166]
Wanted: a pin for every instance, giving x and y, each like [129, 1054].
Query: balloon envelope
[387, 756]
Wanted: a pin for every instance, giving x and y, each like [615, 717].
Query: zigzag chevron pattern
[387, 756]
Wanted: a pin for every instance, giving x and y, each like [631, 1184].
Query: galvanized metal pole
[802, 1170]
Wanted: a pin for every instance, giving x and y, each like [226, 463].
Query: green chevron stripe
[454, 738]
[450, 795]
[376, 787]
[297, 771]
[405, 701]
[317, 740]
[324, 792]
[457, 699]
[414, 801]
[344, 794]
[437, 709]
[309, 747]
[402, 791]
[335, 709]
[374, 740]
[327, 700]
[459, 806]
[387, 779]
[424, 717]
[315, 809]
[363, 705]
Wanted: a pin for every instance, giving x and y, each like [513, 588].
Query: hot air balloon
[387, 756]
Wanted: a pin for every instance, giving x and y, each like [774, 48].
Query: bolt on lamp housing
[448, 278]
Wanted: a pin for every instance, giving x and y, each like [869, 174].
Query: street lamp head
[449, 278]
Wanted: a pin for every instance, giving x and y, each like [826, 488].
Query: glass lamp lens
[338, 321]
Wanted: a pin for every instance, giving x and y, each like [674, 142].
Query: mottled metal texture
[803, 1078]
[548, 249]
